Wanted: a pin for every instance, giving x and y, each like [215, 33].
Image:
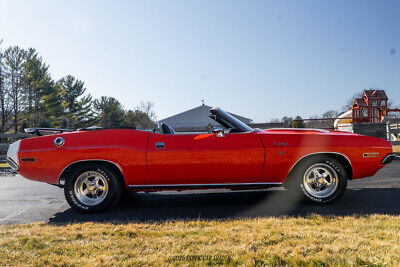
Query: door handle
[160, 145]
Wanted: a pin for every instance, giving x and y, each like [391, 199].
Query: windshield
[229, 121]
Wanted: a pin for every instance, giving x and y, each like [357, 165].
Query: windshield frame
[229, 121]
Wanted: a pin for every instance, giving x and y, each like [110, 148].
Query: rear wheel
[92, 187]
[319, 180]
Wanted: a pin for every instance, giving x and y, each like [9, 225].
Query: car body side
[271, 155]
[288, 148]
[126, 149]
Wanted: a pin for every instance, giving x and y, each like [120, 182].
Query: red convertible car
[95, 166]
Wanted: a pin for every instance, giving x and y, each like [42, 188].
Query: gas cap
[59, 141]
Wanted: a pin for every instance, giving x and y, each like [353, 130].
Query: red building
[371, 107]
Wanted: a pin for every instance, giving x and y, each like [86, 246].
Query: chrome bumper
[389, 158]
[12, 164]
[12, 155]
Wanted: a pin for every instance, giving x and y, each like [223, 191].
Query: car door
[205, 158]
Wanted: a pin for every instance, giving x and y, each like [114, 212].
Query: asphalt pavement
[23, 201]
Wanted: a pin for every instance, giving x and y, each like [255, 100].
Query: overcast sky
[259, 59]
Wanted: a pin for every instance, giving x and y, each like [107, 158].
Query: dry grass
[314, 240]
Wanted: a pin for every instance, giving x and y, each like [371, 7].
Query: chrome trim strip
[389, 158]
[180, 186]
[316, 153]
[298, 129]
[13, 152]
[84, 160]
[74, 148]
[12, 164]
[370, 155]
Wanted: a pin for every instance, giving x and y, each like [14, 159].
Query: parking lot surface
[23, 201]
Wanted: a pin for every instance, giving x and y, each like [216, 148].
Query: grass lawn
[315, 240]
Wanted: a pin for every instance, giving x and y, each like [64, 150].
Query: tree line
[317, 121]
[30, 97]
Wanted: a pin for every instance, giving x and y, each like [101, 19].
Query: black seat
[166, 129]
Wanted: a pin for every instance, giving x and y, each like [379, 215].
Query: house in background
[371, 107]
[196, 120]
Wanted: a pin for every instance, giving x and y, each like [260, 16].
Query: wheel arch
[342, 159]
[112, 165]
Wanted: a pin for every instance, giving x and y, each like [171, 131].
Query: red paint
[301, 143]
[126, 148]
[259, 156]
[205, 159]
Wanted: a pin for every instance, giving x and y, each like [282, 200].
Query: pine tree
[43, 99]
[298, 122]
[51, 108]
[109, 111]
[77, 107]
[14, 61]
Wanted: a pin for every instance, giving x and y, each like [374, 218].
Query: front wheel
[321, 180]
[92, 188]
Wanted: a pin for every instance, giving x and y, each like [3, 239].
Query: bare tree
[275, 120]
[349, 102]
[147, 108]
[5, 109]
[330, 114]
[391, 105]
[142, 117]
[287, 121]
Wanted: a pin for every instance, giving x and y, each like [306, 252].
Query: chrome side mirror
[218, 131]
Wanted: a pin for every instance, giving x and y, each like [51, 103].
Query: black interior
[166, 129]
[232, 124]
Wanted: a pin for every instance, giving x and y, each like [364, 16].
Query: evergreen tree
[77, 107]
[110, 113]
[138, 119]
[14, 61]
[298, 123]
[43, 98]
[24, 125]
[44, 124]
[51, 107]
[29, 82]
[65, 124]
[29, 98]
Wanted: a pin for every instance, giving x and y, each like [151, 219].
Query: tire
[92, 188]
[320, 180]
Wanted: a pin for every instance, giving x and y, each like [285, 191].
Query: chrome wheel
[320, 180]
[91, 188]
